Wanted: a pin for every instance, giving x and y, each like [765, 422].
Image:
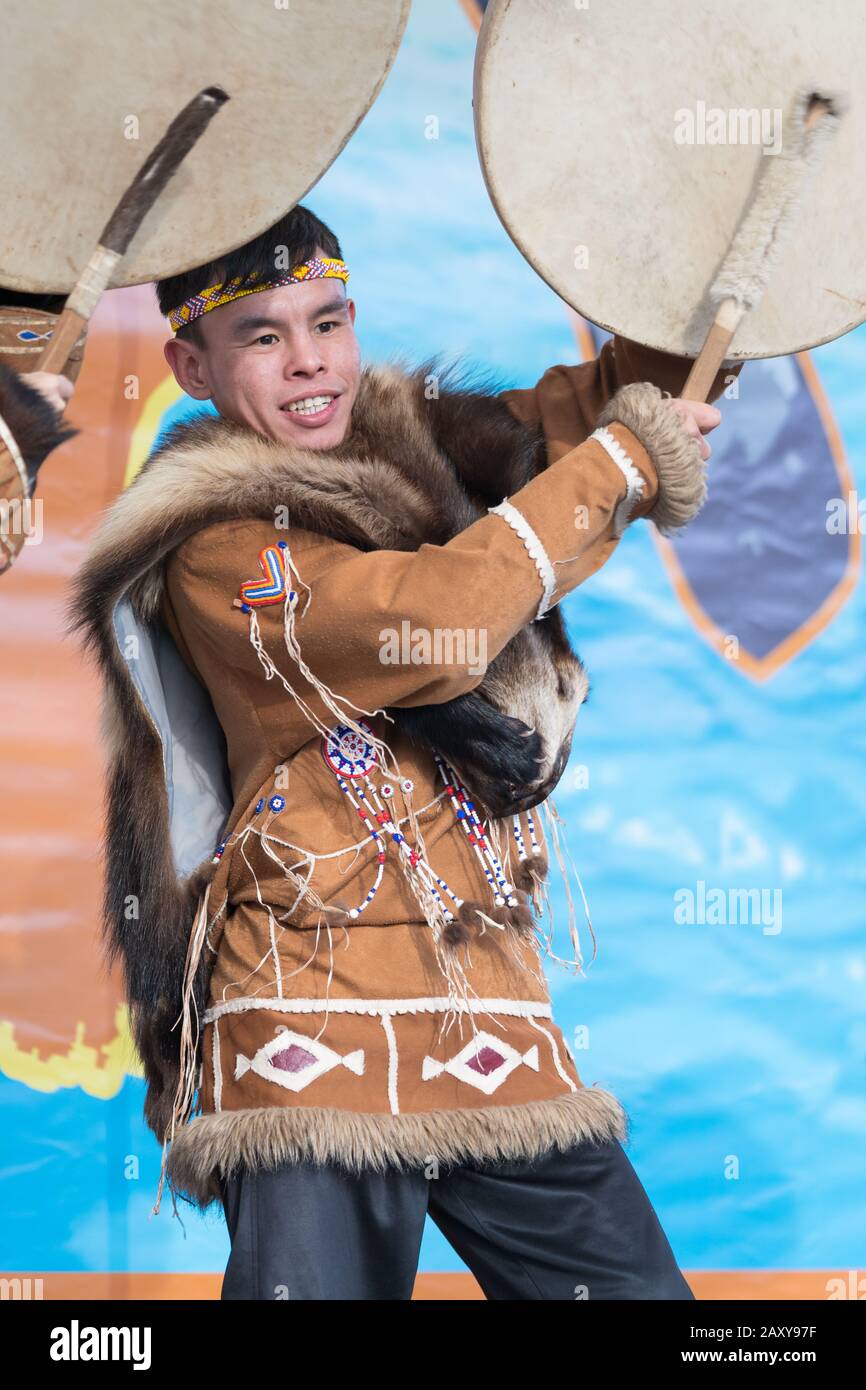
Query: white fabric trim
[216, 1063]
[556, 1059]
[520, 1008]
[633, 476]
[9, 440]
[393, 1098]
[517, 521]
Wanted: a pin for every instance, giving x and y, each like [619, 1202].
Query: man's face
[286, 362]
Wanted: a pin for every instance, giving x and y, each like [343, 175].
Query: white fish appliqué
[294, 1061]
[484, 1063]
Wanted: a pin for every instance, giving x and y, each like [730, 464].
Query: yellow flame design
[99, 1071]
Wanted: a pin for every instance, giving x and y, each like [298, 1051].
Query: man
[365, 1023]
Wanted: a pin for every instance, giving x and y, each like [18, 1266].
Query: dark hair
[298, 233]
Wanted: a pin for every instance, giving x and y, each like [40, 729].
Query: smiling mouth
[310, 405]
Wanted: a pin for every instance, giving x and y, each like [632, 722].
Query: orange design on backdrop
[62, 1019]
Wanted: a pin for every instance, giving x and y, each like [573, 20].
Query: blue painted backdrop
[736, 1046]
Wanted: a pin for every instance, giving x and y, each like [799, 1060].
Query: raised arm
[498, 441]
[495, 576]
[568, 399]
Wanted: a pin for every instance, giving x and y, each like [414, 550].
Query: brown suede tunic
[355, 1043]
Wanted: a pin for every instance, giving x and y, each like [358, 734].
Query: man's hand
[56, 390]
[698, 419]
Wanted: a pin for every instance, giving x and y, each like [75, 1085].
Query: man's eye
[265, 336]
[328, 323]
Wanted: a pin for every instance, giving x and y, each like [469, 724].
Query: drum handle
[731, 312]
[706, 365]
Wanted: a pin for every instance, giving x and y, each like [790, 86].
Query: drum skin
[94, 84]
[621, 142]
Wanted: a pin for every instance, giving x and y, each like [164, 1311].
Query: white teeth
[310, 405]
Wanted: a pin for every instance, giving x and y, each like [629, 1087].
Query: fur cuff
[675, 455]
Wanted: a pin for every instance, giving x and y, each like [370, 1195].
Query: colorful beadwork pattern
[257, 593]
[348, 754]
[503, 891]
[325, 267]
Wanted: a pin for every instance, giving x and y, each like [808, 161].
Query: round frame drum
[621, 142]
[89, 87]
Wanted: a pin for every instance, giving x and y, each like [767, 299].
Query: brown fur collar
[413, 469]
[387, 486]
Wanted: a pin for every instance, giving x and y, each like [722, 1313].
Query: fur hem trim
[215, 1146]
[675, 455]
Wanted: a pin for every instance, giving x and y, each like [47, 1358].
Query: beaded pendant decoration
[352, 758]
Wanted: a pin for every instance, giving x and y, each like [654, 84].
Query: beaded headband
[316, 269]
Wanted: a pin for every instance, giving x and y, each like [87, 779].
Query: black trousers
[570, 1225]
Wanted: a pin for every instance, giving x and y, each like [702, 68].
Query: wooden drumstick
[163, 161]
[765, 228]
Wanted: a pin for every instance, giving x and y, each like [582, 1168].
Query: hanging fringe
[458, 987]
[186, 1086]
[338, 705]
[554, 821]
